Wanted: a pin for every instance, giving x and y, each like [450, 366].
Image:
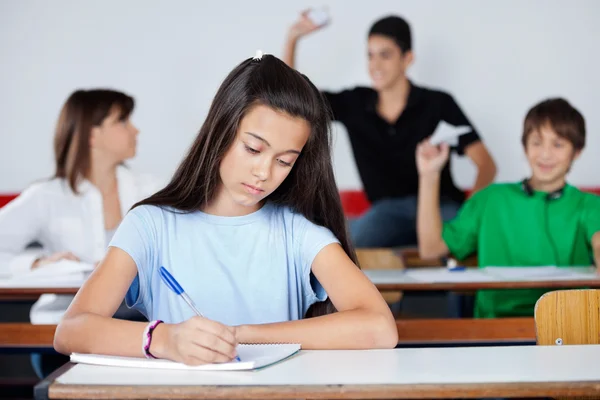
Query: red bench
[6, 198]
[355, 202]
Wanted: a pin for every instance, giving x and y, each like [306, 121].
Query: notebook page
[251, 356]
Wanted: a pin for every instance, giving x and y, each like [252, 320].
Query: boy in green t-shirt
[539, 221]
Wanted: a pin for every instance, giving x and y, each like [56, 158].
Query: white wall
[496, 57]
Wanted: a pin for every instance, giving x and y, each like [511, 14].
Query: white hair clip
[259, 55]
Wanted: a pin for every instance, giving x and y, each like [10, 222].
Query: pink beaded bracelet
[147, 338]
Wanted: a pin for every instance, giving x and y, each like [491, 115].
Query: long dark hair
[309, 189]
[83, 110]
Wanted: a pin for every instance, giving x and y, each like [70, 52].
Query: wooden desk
[472, 372]
[426, 332]
[410, 331]
[33, 292]
[381, 259]
[16, 290]
[411, 258]
[23, 335]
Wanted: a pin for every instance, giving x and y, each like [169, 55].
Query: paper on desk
[252, 356]
[443, 275]
[541, 273]
[446, 133]
[58, 271]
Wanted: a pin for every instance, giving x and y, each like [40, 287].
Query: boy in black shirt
[385, 123]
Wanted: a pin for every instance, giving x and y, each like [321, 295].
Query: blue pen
[452, 266]
[176, 287]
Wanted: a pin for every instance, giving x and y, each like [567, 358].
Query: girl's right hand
[64, 255]
[303, 26]
[196, 341]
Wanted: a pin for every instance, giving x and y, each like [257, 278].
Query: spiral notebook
[252, 356]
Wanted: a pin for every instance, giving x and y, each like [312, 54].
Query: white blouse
[49, 213]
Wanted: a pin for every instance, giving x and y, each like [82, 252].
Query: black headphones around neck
[528, 190]
[555, 195]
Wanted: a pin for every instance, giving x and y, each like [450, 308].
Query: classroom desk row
[387, 270]
[421, 279]
[25, 338]
[411, 332]
[473, 372]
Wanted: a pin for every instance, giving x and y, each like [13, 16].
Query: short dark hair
[83, 110]
[395, 28]
[562, 117]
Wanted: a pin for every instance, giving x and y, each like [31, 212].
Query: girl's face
[263, 153]
[114, 140]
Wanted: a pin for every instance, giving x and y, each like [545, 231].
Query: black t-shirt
[384, 152]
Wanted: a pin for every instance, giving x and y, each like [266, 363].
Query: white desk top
[466, 365]
[69, 283]
[428, 275]
[409, 279]
[388, 276]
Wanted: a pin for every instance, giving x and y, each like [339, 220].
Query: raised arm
[430, 162]
[302, 27]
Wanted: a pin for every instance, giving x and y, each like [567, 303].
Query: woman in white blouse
[74, 214]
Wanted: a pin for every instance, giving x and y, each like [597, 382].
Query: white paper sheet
[252, 356]
[443, 275]
[549, 273]
[446, 133]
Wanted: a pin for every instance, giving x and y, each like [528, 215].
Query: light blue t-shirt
[251, 269]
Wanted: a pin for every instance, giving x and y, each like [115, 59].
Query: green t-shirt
[506, 227]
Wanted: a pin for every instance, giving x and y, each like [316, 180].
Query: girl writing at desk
[74, 215]
[252, 227]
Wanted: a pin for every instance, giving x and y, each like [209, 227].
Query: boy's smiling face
[550, 156]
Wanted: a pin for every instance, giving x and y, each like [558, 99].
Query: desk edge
[40, 391]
